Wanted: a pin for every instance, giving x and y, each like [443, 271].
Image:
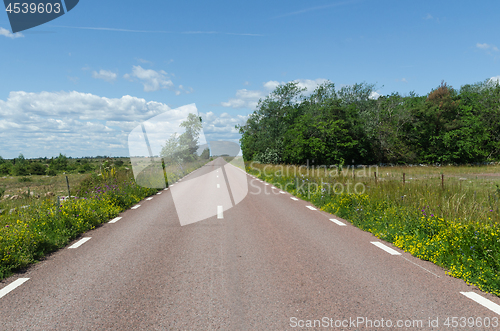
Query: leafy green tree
[20, 166]
[60, 163]
[183, 148]
[205, 155]
[266, 126]
[37, 168]
[325, 141]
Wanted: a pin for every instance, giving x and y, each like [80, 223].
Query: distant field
[39, 186]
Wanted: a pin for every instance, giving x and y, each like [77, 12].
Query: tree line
[350, 126]
[20, 166]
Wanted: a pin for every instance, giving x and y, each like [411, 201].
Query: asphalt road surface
[263, 261]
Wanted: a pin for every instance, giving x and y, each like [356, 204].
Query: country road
[255, 260]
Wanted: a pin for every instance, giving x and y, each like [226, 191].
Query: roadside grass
[456, 226]
[40, 226]
[43, 226]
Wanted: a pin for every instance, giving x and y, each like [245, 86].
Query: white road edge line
[483, 301]
[311, 207]
[220, 212]
[12, 286]
[295, 199]
[135, 207]
[114, 220]
[80, 242]
[337, 222]
[385, 248]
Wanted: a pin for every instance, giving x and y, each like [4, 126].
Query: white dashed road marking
[80, 242]
[385, 248]
[282, 192]
[149, 199]
[294, 198]
[311, 207]
[135, 207]
[220, 212]
[114, 220]
[158, 193]
[12, 286]
[218, 185]
[483, 301]
[337, 222]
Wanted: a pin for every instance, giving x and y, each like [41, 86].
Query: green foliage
[5, 168]
[184, 147]
[60, 163]
[37, 168]
[446, 126]
[452, 227]
[31, 233]
[205, 155]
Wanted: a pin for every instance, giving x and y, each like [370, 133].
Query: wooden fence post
[67, 183]
[404, 178]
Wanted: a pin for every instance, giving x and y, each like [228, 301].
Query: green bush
[37, 168]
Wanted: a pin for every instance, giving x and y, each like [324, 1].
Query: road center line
[80, 242]
[385, 248]
[114, 220]
[483, 301]
[294, 198]
[311, 207]
[12, 286]
[337, 222]
[220, 212]
[135, 207]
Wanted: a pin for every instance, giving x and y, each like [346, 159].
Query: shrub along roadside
[44, 227]
[469, 250]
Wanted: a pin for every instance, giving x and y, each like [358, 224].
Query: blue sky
[80, 84]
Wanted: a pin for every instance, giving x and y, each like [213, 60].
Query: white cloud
[309, 84]
[106, 75]
[374, 95]
[46, 123]
[83, 124]
[151, 80]
[495, 79]
[8, 34]
[250, 98]
[487, 47]
[222, 127]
